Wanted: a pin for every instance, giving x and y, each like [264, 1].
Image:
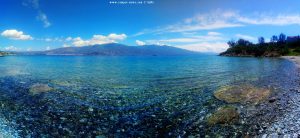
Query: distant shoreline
[294, 59]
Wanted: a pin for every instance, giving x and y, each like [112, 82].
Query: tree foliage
[278, 45]
[261, 40]
[282, 38]
[274, 38]
[231, 43]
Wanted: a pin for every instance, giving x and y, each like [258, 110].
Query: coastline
[294, 59]
[286, 108]
[289, 123]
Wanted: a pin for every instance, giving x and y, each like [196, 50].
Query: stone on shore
[242, 94]
[39, 88]
[224, 115]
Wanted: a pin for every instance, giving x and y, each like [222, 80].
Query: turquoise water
[125, 96]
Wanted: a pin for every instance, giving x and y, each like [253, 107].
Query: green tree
[274, 39]
[261, 40]
[282, 38]
[231, 43]
[243, 42]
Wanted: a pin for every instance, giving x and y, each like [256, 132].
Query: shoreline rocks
[243, 94]
[295, 59]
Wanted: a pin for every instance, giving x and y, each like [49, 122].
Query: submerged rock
[120, 86]
[62, 83]
[224, 115]
[242, 94]
[90, 109]
[39, 88]
[272, 100]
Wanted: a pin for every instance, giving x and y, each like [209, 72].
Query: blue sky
[197, 25]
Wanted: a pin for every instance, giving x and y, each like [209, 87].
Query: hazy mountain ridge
[114, 49]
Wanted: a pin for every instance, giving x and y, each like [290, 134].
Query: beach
[295, 59]
[289, 123]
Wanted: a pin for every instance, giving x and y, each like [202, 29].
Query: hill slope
[114, 49]
[278, 46]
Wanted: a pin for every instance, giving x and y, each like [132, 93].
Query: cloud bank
[214, 20]
[98, 39]
[215, 47]
[140, 43]
[16, 35]
[212, 42]
[219, 19]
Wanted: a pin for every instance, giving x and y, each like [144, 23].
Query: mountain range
[115, 49]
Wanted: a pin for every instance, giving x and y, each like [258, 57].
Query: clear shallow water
[126, 96]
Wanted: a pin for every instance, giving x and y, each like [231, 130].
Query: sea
[127, 96]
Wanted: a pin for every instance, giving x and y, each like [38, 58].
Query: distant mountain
[114, 49]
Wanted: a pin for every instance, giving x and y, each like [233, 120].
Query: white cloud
[190, 39]
[48, 48]
[79, 42]
[43, 18]
[58, 39]
[66, 45]
[197, 27]
[117, 37]
[140, 43]
[99, 39]
[218, 19]
[247, 37]
[69, 38]
[11, 48]
[52, 39]
[271, 19]
[160, 44]
[212, 42]
[141, 32]
[225, 19]
[209, 38]
[31, 3]
[15, 34]
[156, 42]
[208, 21]
[48, 39]
[213, 33]
[29, 49]
[41, 15]
[215, 47]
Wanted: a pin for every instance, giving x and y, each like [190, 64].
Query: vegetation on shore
[4, 53]
[278, 46]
